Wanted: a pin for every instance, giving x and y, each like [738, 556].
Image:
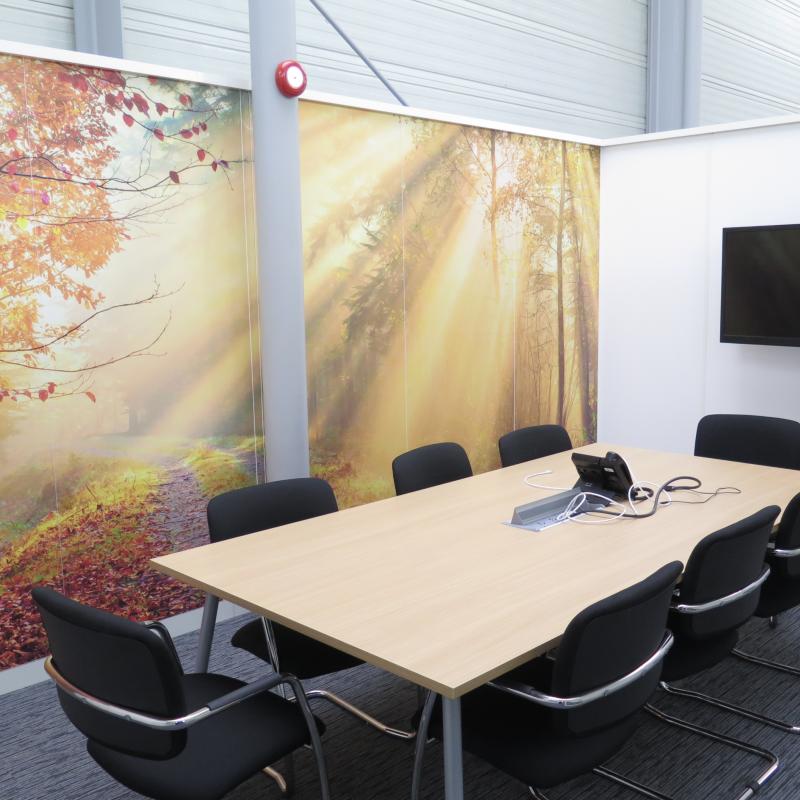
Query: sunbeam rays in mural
[451, 289]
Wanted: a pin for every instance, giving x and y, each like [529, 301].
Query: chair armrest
[700, 608]
[774, 551]
[526, 692]
[211, 708]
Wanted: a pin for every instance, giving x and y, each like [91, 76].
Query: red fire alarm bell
[291, 78]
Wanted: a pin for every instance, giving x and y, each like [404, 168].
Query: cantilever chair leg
[286, 788]
[616, 778]
[776, 665]
[753, 786]
[324, 694]
[422, 740]
[786, 727]
[631, 784]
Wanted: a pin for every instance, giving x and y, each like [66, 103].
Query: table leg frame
[453, 761]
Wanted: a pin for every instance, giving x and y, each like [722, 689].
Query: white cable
[541, 485]
[572, 512]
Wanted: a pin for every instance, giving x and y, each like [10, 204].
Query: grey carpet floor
[42, 757]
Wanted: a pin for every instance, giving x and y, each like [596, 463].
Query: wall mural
[451, 289]
[129, 346]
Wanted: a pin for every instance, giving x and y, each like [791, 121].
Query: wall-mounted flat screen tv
[761, 285]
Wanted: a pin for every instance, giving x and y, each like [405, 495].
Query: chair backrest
[120, 662]
[722, 564]
[607, 641]
[537, 441]
[788, 538]
[430, 465]
[268, 505]
[769, 441]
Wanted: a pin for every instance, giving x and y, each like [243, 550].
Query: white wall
[663, 205]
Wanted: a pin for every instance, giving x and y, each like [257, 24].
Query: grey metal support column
[98, 27]
[280, 242]
[674, 53]
[453, 758]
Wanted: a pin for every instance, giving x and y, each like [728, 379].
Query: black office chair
[156, 730]
[552, 720]
[537, 441]
[769, 441]
[430, 465]
[718, 594]
[257, 508]
[780, 592]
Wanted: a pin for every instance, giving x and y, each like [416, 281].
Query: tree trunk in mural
[581, 310]
[493, 209]
[560, 285]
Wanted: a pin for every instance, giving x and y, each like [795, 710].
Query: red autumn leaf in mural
[91, 396]
[186, 133]
[201, 155]
[141, 104]
[62, 217]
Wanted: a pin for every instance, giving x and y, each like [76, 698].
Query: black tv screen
[761, 285]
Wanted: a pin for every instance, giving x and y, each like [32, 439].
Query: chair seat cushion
[299, 655]
[518, 737]
[690, 656]
[221, 752]
[778, 595]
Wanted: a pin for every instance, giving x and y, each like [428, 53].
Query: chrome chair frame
[533, 695]
[646, 791]
[210, 709]
[324, 694]
[204, 651]
[786, 727]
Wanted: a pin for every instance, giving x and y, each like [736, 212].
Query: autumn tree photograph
[129, 343]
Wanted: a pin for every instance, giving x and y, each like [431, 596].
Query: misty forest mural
[451, 294]
[129, 345]
[451, 289]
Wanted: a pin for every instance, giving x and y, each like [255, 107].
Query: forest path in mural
[179, 521]
[123, 512]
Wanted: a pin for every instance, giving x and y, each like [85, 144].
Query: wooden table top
[432, 587]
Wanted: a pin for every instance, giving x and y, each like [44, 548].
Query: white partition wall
[664, 202]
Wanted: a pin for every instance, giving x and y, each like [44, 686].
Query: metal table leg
[206, 633]
[453, 763]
